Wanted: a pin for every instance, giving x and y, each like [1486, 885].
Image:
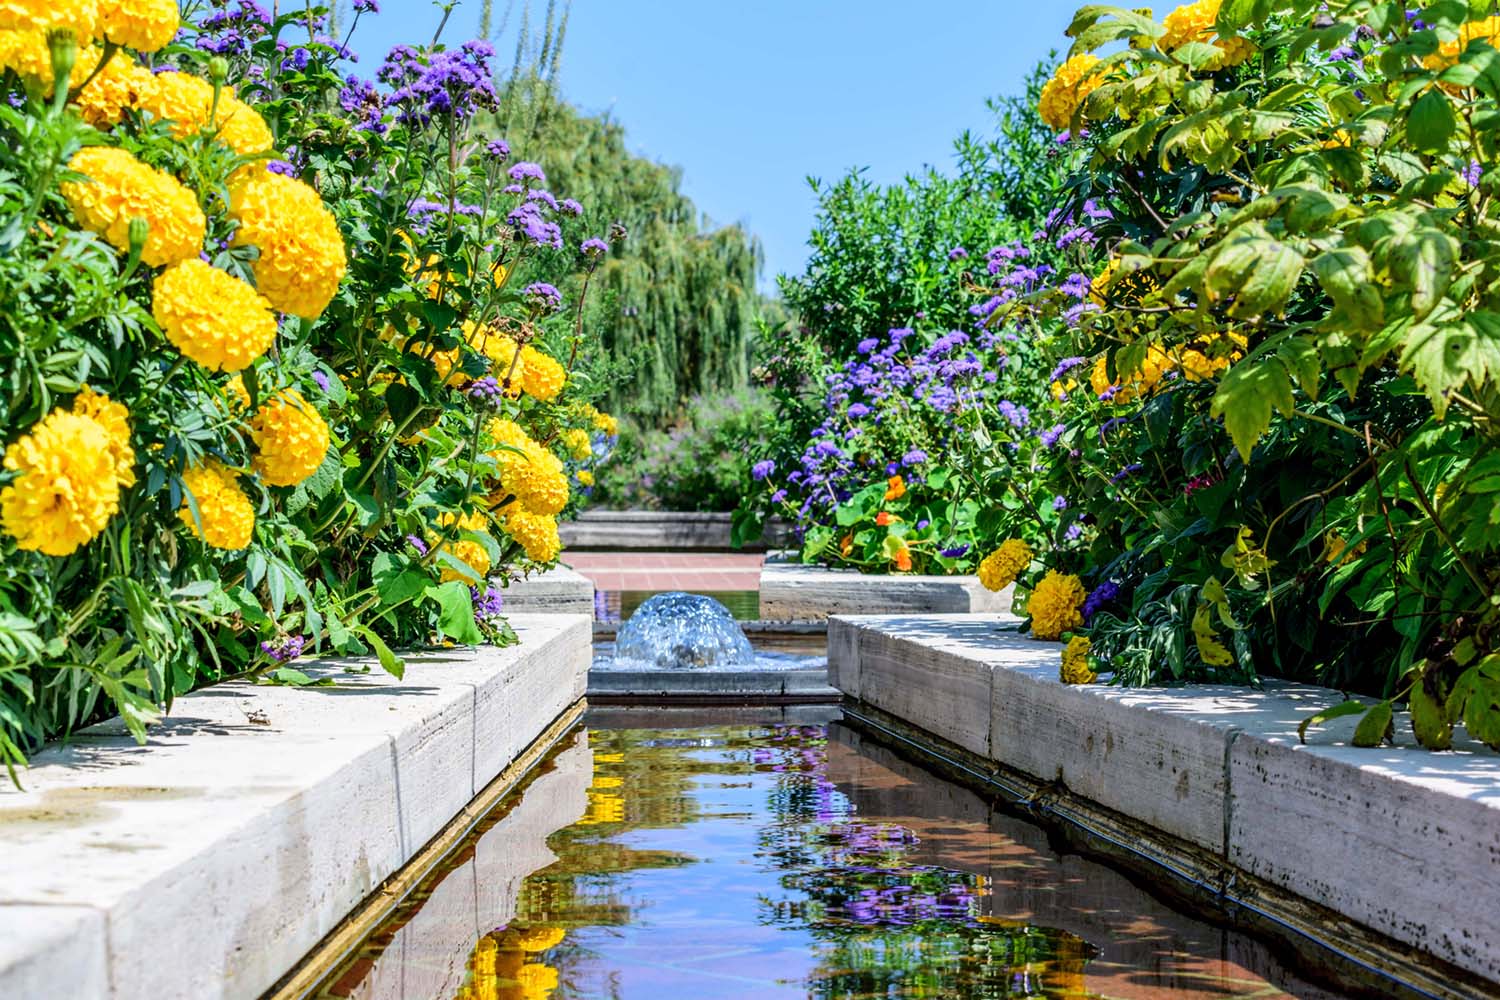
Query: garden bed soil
[1402, 842]
[209, 861]
[790, 591]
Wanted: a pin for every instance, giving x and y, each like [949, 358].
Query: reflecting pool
[705, 861]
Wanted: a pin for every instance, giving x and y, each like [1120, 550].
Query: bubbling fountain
[677, 631]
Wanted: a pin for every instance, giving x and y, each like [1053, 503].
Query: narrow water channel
[708, 860]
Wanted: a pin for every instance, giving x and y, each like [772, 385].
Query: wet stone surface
[726, 857]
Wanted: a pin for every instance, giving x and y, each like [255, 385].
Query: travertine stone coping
[660, 531]
[793, 592]
[208, 862]
[560, 590]
[1400, 839]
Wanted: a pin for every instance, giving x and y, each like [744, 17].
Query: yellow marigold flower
[1232, 52]
[67, 485]
[1199, 367]
[1000, 568]
[187, 101]
[535, 533]
[1192, 22]
[291, 439]
[143, 25]
[604, 422]
[534, 476]
[228, 516]
[540, 938]
[211, 316]
[576, 440]
[585, 477]
[119, 85]
[1075, 662]
[302, 256]
[1067, 89]
[1056, 605]
[1448, 53]
[542, 376]
[467, 551]
[120, 188]
[115, 419]
[28, 53]
[1143, 382]
[79, 16]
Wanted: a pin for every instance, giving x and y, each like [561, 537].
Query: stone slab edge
[794, 592]
[559, 590]
[1380, 836]
[258, 817]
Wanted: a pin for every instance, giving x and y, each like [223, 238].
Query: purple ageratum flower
[456, 83]
[485, 394]
[1018, 416]
[286, 649]
[488, 605]
[957, 253]
[1059, 503]
[1472, 173]
[361, 99]
[914, 457]
[923, 524]
[1049, 437]
[891, 468]
[763, 470]
[1074, 532]
[570, 206]
[417, 544]
[1075, 285]
[779, 496]
[529, 222]
[1063, 367]
[867, 345]
[524, 171]
[543, 196]
[321, 379]
[594, 247]
[1100, 598]
[366, 7]
[956, 552]
[543, 297]
[1094, 210]
[498, 148]
[858, 410]
[1129, 470]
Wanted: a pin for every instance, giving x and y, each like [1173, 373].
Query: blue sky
[751, 98]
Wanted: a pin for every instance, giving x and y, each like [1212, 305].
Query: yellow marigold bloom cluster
[531, 473]
[585, 477]
[28, 54]
[1067, 89]
[1194, 22]
[211, 316]
[1153, 369]
[302, 256]
[467, 551]
[120, 188]
[143, 25]
[1000, 568]
[228, 517]
[534, 372]
[291, 439]
[115, 419]
[67, 485]
[1056, 605]
[602, 421]
[119, 85]
[1199, 367]
[1075, 662]
[535, 533]
[79, 16]
[187, 102]
[576, 440]
[542, 376]
[1448, 53]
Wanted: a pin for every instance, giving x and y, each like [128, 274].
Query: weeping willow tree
[677, 298]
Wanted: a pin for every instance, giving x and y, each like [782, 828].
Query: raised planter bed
[560, 590]
[793, 592]
[1400, 841]
[208, 862]
[660, 531]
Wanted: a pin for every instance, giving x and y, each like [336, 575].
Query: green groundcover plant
[290, 361]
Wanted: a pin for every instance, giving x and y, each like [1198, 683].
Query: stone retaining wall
[793, 592]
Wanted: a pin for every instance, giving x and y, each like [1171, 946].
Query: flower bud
[218, 70]
[138, 231]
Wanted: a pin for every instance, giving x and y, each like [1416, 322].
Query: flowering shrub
[291, 361]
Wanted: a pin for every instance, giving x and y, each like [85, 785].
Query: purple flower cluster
[285, 649]
[593, 247]
[530, 222]
[543, 297]
[485, 395]
[452, 83]
[488, 605]
[1100, 598]
[362, 99]
[231, 31]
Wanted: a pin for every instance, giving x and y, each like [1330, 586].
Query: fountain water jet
[677, 631]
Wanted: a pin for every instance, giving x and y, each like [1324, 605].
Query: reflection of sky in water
[745, 862]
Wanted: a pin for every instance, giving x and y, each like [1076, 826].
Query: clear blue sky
[751, 98]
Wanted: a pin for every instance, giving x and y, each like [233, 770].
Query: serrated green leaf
[1245, 398]
[1348, 277]
[1429, 720]
[1375, 728]
[1431, 123]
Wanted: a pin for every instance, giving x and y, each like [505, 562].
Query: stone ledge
[661, 531]
[1382, 836]
[673, 685]
[259, 816]
[794, 592]
[559, 590]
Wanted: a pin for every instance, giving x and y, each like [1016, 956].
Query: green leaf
[1257, 271]
[397, 578]
[1375, 728]
[389, 661]
[1429, 720]
[1245, 397]
[1349, 279]
[1424, 260]
[1336, 712]
[455, 612]
[1482, 707]
[1431, 122]
[1444, 358]
[296, 678]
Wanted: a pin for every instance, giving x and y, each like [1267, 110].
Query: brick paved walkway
[694, 571]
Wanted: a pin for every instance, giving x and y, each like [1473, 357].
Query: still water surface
[709, 862]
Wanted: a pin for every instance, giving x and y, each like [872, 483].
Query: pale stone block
[794, 592]
[559, 590]
[843, 654]
[511, 707]
[52, 951]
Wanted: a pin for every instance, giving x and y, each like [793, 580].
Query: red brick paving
[668, 570]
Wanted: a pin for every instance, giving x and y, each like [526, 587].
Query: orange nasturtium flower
[883, 518]
[895, 488]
